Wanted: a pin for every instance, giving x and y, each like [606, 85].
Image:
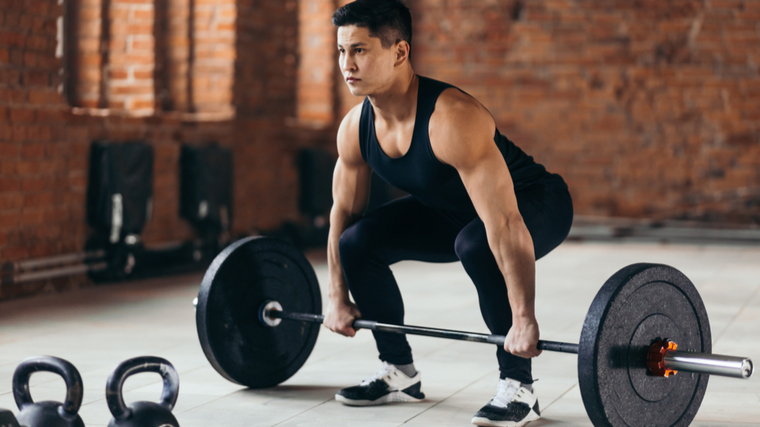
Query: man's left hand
[522, 338]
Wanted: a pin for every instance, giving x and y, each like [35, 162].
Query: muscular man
[474, 197]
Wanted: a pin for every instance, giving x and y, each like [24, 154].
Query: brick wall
[214, 54]
[130, 62]
[647, 108]
[45, 136]
[316, 61]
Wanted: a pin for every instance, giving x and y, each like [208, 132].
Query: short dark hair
[388, 20]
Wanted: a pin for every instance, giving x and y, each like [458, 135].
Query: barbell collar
[706, 363]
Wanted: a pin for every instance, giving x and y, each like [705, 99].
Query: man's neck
[399, 102]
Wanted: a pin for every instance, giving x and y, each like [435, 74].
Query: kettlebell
[7, 419]
[143, 414]
[48, 413]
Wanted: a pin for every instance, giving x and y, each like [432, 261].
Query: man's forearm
[339, 222]
[513, 249]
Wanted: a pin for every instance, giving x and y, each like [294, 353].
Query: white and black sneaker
[514, 405]
[387, 386]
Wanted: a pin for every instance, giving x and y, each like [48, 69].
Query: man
[474, 197]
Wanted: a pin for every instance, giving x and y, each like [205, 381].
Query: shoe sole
[392, 397]
[485, 422]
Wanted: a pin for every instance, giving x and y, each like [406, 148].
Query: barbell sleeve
[707, 363]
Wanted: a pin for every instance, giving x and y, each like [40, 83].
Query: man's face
[367, 68]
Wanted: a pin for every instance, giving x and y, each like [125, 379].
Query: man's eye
[359, 50]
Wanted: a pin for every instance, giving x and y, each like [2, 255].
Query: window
[150, 57]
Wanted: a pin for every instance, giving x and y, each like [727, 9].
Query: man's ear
[402, 49]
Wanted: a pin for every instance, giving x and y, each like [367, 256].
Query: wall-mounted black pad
[120, 188]
[206, 187]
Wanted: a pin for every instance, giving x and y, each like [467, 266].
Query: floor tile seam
[739, 312]
[303, 412]
[203, 404]
[491, 372]
[333, 354]
[559, 397]
[155, 381]
[83, 401]
[57, 327]
[54, 330]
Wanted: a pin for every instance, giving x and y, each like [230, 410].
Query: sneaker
[387, 386]
[513, 406]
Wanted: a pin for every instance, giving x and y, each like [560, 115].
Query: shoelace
[505, 392]
[385, 370]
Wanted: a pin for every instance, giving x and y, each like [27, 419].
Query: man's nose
[348, 64]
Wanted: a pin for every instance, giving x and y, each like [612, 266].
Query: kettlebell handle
[115, 384]
[74, 387]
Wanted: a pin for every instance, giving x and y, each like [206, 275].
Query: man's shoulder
[456, 108]
[458, 118]
[348, 133]
[351, 120]
[453, 99]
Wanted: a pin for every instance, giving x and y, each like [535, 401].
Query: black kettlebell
[143, 414]
[7, 419]
[48, 413]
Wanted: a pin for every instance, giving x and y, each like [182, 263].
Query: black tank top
[420, 173]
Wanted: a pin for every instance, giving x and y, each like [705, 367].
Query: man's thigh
[403, 229]
[547, 209]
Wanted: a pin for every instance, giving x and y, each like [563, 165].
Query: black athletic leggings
[405, 229]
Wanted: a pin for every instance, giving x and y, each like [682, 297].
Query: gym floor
[97, 328]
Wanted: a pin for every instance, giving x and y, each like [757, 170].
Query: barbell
[644, 356]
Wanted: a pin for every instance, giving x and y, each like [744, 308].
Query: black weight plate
[636, 306]
[241, 278]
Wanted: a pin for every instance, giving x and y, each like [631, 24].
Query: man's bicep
[490, 186]
[352, 174]
[351, 182]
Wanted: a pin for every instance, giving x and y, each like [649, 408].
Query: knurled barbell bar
[626, 354]
[663, 358]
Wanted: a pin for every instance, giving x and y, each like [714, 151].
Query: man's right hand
[340, 316]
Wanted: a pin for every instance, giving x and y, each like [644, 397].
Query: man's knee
[471, 246]
[354, 242]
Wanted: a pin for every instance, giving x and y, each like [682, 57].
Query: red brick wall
[316, 60]
[131, 60]
[153, 47]
[214, 54]
[44, 142]
[647, 108]
[85, 78]
[35, 180]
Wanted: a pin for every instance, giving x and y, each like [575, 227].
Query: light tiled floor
[97, 328]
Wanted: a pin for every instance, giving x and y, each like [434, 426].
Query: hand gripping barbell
[645, 324]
